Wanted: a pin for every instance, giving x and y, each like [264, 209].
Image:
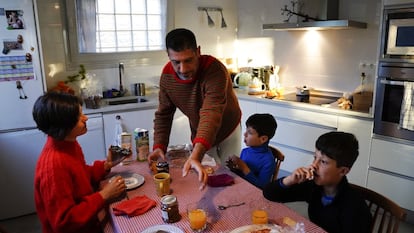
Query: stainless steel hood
[315, 25]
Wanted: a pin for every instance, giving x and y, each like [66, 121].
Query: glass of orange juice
[259, 216]
[197, 215]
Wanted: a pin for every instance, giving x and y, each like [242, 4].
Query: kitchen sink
[125, 100]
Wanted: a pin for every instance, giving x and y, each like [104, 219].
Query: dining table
[245, 196]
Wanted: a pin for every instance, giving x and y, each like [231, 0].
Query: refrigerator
[21, 83]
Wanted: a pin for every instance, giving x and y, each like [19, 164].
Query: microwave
[398, 34]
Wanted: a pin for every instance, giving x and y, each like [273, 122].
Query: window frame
[106, 60]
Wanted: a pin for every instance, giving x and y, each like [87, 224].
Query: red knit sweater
[64, 194]
[208, 100]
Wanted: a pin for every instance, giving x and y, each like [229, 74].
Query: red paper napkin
[135, 206]
[220, 180]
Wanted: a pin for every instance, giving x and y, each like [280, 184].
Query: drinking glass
[197, 216]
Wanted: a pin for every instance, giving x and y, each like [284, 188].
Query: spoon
[222, 207]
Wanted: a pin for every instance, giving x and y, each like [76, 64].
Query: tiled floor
[31, 224]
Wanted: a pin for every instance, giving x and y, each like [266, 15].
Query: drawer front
[298, 135]
[393, 157]
[398, 189]
[310, 117]
[294, 158]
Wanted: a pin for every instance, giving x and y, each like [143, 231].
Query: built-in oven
[398, 34]
[389, 99]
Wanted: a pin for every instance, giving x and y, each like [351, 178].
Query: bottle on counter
[118, 131]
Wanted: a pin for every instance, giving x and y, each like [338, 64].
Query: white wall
[215, 41]
[322, 59]
[325, 60]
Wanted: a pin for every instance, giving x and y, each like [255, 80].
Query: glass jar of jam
[169, 209]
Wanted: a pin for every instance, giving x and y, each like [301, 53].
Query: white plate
[132, 181]
[168, 228]
[250, 228]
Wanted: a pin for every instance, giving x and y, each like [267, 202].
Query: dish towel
[407, 107]
[135, 206]
[220, 180]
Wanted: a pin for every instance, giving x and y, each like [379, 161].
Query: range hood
[313, 15]
[315, 25]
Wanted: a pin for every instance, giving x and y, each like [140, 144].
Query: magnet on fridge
[19, 39]
[5, 50]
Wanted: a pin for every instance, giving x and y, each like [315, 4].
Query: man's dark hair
[56, 113]
[339, 146]
[180, 39]
[263, 123]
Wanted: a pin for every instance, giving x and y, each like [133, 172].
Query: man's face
[185, 63]
[326, 171]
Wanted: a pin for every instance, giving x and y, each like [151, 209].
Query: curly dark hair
[339, 146]
[56, 113]
[263, 123]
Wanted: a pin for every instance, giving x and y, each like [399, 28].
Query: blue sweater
[261, 162]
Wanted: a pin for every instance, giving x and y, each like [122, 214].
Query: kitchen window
[106, 32]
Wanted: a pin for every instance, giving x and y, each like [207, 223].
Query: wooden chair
[386, 214]
[279, 157]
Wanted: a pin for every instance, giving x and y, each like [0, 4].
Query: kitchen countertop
[332, 108]
[152, 102]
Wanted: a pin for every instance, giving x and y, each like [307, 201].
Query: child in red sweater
[65, 195]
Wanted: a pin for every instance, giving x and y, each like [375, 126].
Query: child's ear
[264, 138]
[344, 170]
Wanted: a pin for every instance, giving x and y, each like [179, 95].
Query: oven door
[388, 102]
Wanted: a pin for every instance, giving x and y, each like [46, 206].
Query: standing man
[200, 86]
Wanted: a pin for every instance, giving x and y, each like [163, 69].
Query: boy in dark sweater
[333, 204]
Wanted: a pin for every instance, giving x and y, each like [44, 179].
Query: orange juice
[198, 219]
[259, 217]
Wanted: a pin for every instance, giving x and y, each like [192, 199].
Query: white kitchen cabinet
[391, 171]
[393, 157]
[298, 129]
[130, 120]
[248, 108]
[180, 132]
[397, 188]
[93, 143]
[297, 132]
[362, 129]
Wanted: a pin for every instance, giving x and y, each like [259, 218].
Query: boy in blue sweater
[256, 163]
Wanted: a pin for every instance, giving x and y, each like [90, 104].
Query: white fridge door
[15, 108]
[19, 152]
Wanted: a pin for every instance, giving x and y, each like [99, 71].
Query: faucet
[121, 73]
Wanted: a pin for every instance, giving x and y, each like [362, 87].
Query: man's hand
[202, 174]
[154, 155]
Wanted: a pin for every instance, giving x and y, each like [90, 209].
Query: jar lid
[168, 199]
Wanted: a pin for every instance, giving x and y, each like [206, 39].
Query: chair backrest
[386, 214]
[279, 157]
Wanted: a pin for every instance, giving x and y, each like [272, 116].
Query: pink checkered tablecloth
[186, 190]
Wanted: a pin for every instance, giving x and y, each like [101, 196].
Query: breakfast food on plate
[266, 230]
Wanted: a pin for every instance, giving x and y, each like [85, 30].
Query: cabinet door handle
[394, 83]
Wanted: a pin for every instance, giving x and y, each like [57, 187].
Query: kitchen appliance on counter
[389, 99]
